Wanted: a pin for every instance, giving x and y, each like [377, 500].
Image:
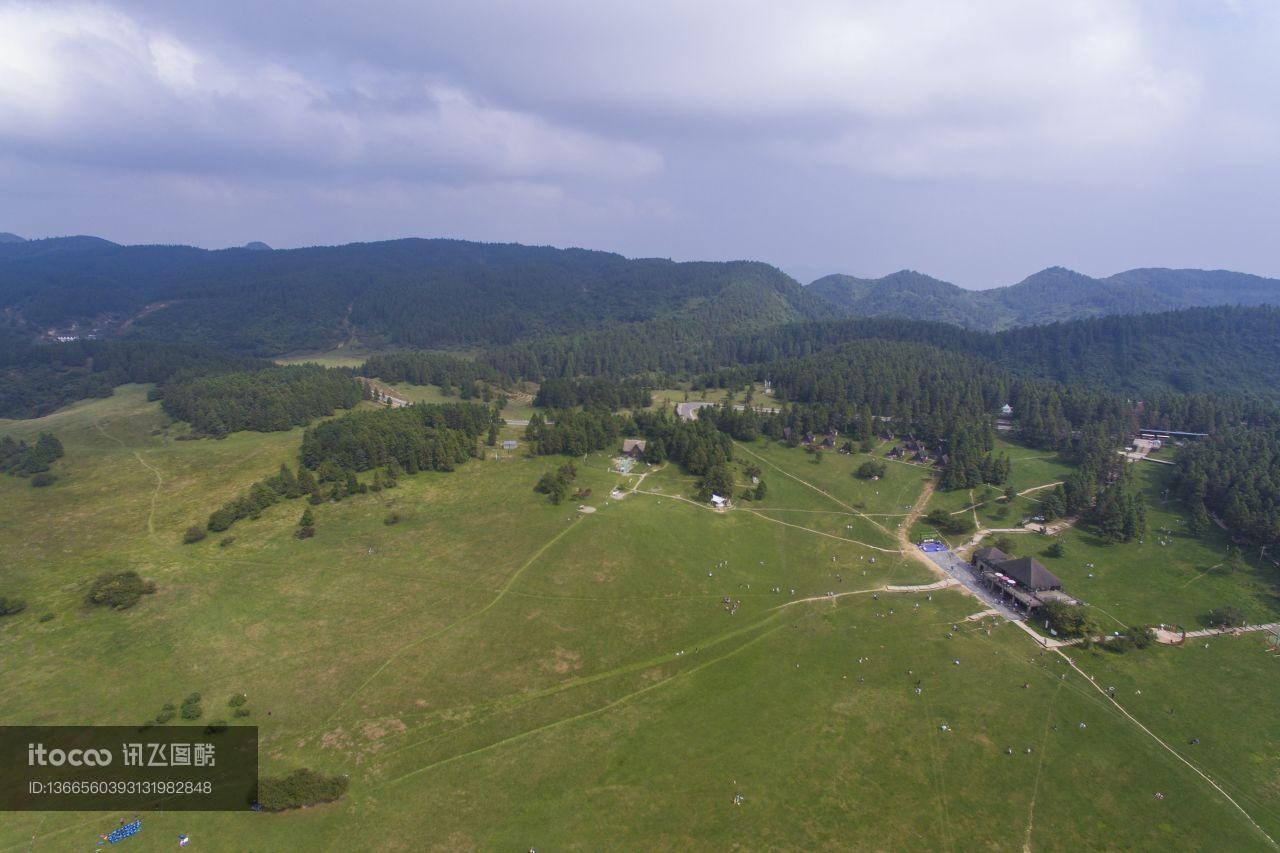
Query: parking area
[959, 569]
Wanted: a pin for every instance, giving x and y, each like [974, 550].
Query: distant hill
[257, 246]
[423, 293]
[1051, 295]
[6, 237]
[905, 293]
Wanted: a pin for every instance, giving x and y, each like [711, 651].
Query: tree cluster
[573, 433]
[416, 438]
[22, 460]
[594, 393]
[470, 378]
[1235, 475]
[555, 485]
[276, 398]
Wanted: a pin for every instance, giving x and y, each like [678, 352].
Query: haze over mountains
[1051, 295]
[453, 293]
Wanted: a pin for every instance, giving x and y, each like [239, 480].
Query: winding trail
[904, 531]
[683, 674]
[1021, 494]
[1162, 743]
[155, 493]
[467, 617]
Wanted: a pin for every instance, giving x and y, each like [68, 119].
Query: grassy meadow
[497, 672]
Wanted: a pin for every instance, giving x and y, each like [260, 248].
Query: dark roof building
[1031, 574]
[1023, 581]
[992, 556]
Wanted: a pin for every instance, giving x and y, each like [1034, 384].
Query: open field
[494, 671]
[343, 357]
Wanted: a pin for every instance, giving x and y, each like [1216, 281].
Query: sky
[977, 142]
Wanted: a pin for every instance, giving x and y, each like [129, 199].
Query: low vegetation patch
[119, 590]
[11, 606]
[299, 789]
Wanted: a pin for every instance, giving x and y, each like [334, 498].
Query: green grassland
[494, 671]
[342, 357]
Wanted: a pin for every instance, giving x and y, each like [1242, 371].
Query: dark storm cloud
[976, 141]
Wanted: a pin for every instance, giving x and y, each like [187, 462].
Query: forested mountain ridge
[1051, 295]
[1195, 350]
[420, 293]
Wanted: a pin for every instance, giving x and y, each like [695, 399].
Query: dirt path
[1050, 530]
[908, 547]
[826, 494]
[636, 487]
[1035, 787]
[1022, 494]
[919, 587]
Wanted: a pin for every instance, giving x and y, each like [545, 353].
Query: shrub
[393, 518]
[1070, 620]
[1142, 636]
[1004, 543]
[1055, 550]
[240, 712]
[43, 479]
[192, 712]
[1226, 617]
[194, 534]
[225, 541]
[305, 533]
[165, 715]
[947, 523]
[215, 727]
[1120, 644]
[119, 591]
[300, 788]
[237, 700]
[193, 699]
[10, 606]
[48, 617]
[870, 468]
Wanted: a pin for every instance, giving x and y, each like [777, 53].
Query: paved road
[959, 569]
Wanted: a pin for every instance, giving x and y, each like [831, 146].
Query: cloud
[975, 139]
[92, 85]
[1084, 91]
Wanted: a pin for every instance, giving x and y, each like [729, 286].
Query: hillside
[1048, 296]
[424, 293]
